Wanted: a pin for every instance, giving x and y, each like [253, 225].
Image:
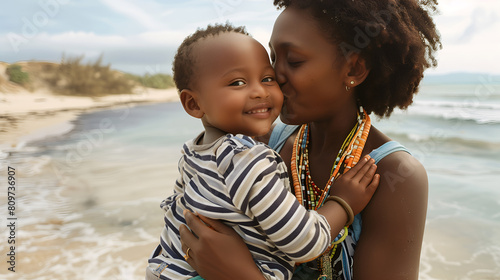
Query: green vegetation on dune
[91, 79]
[74, 77]
[17, 75]
[160, 81]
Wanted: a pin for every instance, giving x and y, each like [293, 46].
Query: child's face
[235, 85]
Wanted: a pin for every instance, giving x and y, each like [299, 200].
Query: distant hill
[461, 78]
[72, 77]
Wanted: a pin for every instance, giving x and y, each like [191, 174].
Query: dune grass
[159, 81]
[16, 74]
[73, 76]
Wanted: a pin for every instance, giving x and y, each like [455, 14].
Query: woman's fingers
[187, 236]
[188, 241]
[194, 223]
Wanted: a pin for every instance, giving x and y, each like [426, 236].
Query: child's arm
[178, 188]
[167, 202]
[355, 187]
[256, 185]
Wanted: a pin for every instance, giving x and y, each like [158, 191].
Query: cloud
[149, 48]
[133, 11]
[135, 36]
[468, 34]
[480, 21]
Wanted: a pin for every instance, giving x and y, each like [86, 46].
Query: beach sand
[26, 116]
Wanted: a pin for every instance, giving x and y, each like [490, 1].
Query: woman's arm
[217, 252]
[393, 222]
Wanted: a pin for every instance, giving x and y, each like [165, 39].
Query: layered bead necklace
[310, 195]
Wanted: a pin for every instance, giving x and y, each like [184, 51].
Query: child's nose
[260, 91]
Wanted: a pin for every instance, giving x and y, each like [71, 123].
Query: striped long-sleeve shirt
[244, 184]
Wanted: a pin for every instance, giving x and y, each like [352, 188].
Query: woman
[335, 60]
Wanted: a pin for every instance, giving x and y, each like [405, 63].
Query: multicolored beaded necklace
[310, 195]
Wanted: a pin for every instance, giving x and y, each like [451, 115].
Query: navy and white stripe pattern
[244, 184]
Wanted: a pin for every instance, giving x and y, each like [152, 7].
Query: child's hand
[358, 184]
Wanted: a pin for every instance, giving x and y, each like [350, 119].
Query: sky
[142, 36]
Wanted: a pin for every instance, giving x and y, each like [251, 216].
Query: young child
[225, 79]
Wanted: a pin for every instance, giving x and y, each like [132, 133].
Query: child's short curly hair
[397, 39]
[184, 60]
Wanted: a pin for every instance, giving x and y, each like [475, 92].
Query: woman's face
[309, 69]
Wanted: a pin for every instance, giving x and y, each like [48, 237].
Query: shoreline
[27, 116]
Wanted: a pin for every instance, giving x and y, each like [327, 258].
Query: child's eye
[268, 79]
[237, 83]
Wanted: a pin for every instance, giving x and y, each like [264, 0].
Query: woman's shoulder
[400, 168]
[396, 165]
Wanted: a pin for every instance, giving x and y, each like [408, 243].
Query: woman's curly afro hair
[184, 60]
[397, 38]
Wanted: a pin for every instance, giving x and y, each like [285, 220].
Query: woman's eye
[295, 63]
[237, 83]
[268, 79]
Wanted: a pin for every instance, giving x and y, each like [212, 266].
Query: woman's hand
[216, 251]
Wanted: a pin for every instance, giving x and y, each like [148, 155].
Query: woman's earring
[348, 88]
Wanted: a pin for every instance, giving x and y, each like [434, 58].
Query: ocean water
[87, 202]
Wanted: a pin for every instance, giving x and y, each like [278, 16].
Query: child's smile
[235, 85]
